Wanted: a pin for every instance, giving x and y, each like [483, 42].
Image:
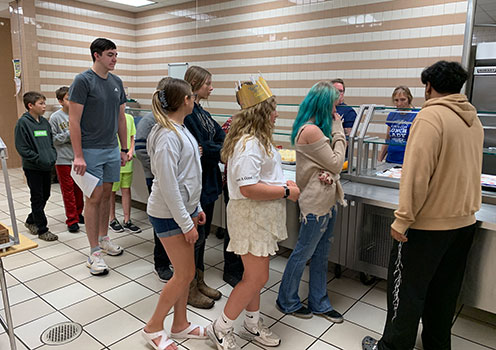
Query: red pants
[71, 193]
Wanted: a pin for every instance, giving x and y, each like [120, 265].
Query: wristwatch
[125, 150]
[286, 191]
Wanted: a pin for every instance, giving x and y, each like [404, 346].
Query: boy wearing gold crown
[256, 213]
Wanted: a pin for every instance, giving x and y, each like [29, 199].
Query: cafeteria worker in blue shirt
[398, 123]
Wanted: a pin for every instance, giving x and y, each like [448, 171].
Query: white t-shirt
[253, 165]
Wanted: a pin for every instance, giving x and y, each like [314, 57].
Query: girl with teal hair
[320, 145]
[317, 107]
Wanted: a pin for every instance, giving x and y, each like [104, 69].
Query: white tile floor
[51, 284]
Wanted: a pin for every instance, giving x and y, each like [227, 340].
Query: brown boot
[206, 290]
[198, 299]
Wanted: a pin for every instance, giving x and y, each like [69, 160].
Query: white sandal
[186, 333]
[164, 340]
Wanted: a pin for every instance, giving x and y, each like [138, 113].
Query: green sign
[40, 133]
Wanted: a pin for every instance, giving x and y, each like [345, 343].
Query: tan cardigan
[440, 186]
[317, 197]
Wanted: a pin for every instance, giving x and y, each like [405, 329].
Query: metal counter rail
[388, 198]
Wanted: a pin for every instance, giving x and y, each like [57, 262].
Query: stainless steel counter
[365, 248]
[388, 198]
[357, 247]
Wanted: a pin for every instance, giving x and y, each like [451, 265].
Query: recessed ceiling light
[135, 3]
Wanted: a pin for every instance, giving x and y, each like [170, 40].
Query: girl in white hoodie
[174, 207]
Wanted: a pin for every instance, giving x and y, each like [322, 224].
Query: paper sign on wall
[177, 70]
[17, 67]
[18, 85]
[17, 75]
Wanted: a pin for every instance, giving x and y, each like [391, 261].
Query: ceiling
[485, 12]
[4, 5]
[159, 3]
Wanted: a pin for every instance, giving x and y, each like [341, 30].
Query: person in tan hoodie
[440, 192]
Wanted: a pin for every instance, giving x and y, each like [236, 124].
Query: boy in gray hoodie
[71, 193]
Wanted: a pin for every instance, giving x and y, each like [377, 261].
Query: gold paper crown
[249, 95]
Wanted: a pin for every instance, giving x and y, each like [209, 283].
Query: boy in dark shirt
[33, 141]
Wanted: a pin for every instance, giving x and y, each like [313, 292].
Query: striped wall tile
[374, 45]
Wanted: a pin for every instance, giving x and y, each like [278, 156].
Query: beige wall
[25, 46]
[374, 45]
[8, 109]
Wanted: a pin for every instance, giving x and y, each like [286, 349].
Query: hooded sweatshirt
[440, 186]
[59, 122]
[33, 141]
[143, 129]
[175, 165]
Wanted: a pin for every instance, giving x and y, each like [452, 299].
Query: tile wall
[374, 45]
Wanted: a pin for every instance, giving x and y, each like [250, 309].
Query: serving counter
[372, 191]
[370, 212]
[361, 239]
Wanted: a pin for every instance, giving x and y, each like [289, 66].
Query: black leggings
[203, 231]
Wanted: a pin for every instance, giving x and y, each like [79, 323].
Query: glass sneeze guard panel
[371, 136]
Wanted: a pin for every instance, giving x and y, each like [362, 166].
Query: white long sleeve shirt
[176, 167]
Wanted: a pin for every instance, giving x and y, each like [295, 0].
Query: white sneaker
[110, 248]
[223, 341]
[260, 334]
[96, 264]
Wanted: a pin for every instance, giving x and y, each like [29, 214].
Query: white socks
[251, 318]
[223, 323]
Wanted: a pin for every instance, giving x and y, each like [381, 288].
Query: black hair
[445, 77]
[99, 45]
[32, 97]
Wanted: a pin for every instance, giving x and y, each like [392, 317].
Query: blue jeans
[314, 242]
[167, 227]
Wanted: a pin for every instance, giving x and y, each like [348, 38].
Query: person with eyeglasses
[398, 126]
[346, 112]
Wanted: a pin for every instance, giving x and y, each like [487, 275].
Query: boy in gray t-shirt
[96, 113]
[71, 193]
[101, 99]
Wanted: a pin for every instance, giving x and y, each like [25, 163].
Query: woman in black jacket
[210, 137]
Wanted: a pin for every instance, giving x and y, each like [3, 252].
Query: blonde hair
[404, 90]
[168, 97]
[253, 122]
[196, 76]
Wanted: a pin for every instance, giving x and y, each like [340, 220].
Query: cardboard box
[4, 234]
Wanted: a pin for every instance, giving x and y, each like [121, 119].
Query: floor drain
[61, 333]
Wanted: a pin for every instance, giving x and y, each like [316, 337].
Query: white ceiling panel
[158, 4]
